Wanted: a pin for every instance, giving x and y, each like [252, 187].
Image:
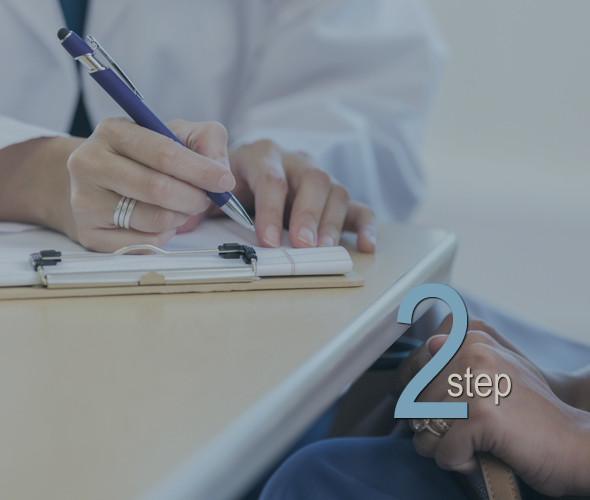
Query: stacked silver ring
[123, 212]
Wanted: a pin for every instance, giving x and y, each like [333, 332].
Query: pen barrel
[142, 115]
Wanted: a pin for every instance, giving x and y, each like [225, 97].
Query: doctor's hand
[167, 179]
[286, 190]
[544, 440]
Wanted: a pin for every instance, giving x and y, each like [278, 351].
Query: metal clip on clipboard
[46, 260]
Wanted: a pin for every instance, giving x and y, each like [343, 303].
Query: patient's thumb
[434, 343]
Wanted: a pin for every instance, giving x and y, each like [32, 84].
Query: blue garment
[382, 468]
[75, 14]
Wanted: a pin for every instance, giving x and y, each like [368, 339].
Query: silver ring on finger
[118, 210]
[436, 426]
[130, 208]
[123, 212]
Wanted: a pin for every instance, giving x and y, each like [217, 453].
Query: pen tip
[62, 33]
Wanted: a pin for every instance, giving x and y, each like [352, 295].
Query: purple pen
[116, 83]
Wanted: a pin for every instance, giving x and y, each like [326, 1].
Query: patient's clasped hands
[545, 439]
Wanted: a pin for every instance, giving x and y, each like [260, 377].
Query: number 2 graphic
[407, 407]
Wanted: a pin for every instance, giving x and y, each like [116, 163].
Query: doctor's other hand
[286, 189]
[120, 159]
[544, 440]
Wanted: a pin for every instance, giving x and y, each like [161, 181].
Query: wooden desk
[189, 396]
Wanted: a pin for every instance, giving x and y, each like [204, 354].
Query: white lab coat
[348, 81]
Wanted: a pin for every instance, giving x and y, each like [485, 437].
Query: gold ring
[436, 426]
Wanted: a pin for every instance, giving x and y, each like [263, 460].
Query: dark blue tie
[75, 14]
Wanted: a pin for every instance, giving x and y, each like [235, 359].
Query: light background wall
[508, 155]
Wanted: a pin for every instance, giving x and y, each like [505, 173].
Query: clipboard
[237, 271]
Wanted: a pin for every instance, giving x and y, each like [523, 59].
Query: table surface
[190, 395]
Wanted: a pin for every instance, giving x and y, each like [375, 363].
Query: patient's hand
[287, 189]
[565, 386]
[544, 440]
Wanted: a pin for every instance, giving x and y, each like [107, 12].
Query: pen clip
[113, 65]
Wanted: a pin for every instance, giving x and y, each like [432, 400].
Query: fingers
[208, 139]
[478, 350]
[288, 186]
[454, 450]
[167, 156]
[319, 204]
[124, 176]
[260, 165]
[167, 180]
[98, 211]
[313, 188]
[426, 442]
[333, 217]
[190, 224]
[361, 220]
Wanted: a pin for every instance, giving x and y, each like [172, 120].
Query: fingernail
[306, 235]
[371, 236]
[326, 241]
[227, 182]
[433, 337]
[272, 236]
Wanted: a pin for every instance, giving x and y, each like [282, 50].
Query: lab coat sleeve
[349, 82]
[14, 131]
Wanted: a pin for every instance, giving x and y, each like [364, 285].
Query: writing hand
[167, 179]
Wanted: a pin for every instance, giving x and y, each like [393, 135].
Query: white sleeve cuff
[14, 131]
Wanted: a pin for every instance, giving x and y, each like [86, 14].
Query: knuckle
[163, 220]
[264, 146]
[77, 200]
[156, 188]
[479, 355]
[319, 178]
[165, 156]
[77, 161]
[341, 193]
[302, 156]
[272, 180]
[477, 324]
[107, 126]
[216, 128]
[478, 337]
